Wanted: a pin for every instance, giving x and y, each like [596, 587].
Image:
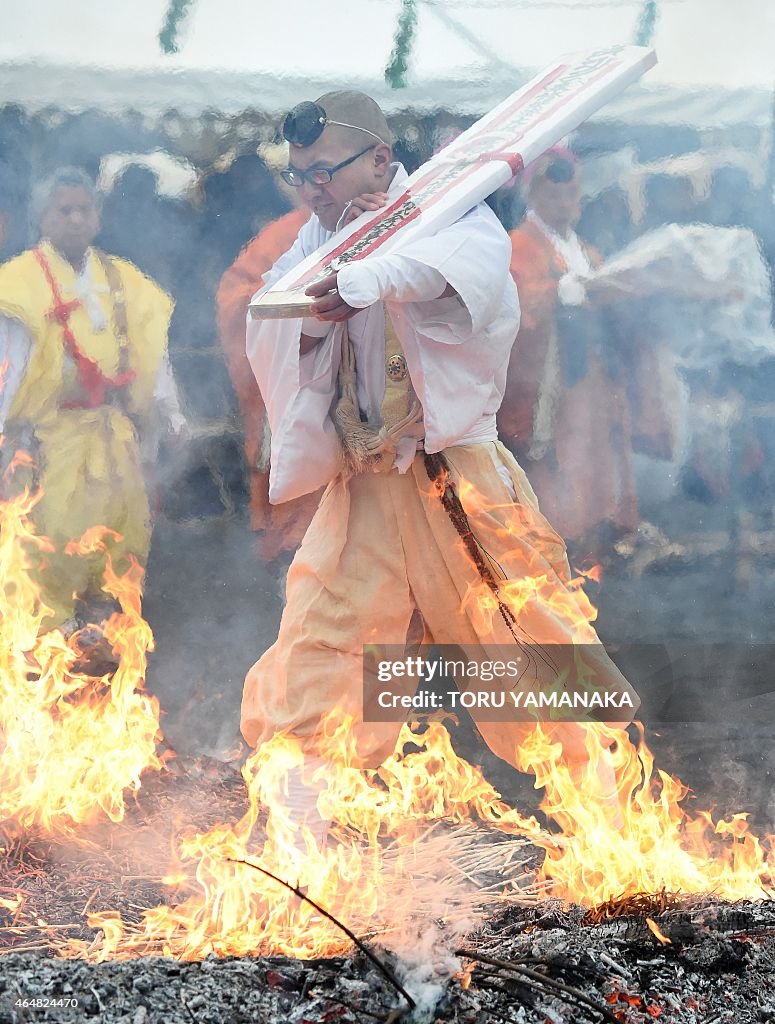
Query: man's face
[369, 173]
[558, 203]
[71, 221]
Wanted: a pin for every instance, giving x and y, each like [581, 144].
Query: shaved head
[355, 108]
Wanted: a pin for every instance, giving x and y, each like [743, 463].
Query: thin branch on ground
[541, 979]
[381, 967]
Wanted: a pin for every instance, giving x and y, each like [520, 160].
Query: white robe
[456, 349]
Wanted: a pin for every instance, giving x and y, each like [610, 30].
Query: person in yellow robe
[86, 384]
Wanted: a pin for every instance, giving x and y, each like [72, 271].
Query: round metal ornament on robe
[373, 446]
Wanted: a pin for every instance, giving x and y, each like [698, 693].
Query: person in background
[606, 222]
[669, 199]
[154, 232]
[566, 412]
[12, 212]
[239, 202]
[87, 389]
[280, 527]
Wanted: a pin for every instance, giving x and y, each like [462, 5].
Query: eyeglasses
[317, 175]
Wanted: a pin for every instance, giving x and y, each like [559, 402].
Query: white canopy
[716, 65]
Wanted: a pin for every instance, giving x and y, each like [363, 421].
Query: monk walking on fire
[409, 353]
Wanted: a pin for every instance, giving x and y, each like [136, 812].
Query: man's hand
[368, 201]
[330, 305]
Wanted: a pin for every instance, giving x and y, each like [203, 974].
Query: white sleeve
[306, 243]
[457, 348]
[472, 255]
[15, 347]
[310, 326]
[297, 390]
[167, 398]
[396, 277]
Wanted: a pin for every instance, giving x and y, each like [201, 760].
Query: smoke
[437, 890]
[426, 969]
[214, 608]
[694, 566]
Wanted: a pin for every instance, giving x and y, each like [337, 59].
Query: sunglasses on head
[306, 122]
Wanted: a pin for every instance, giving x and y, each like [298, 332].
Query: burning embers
[73, 746]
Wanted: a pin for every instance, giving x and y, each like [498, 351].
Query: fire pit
[137, 886]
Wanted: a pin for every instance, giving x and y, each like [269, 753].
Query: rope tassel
[437, 468]
[366, 446]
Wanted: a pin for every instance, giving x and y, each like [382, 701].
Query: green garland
[647, 22]
[168, 34]
[395, 72]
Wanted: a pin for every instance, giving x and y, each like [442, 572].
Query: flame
[594, 573]
[379, 817]
[71, 745]
[655, 930]
[539, 585]
[624, 831]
